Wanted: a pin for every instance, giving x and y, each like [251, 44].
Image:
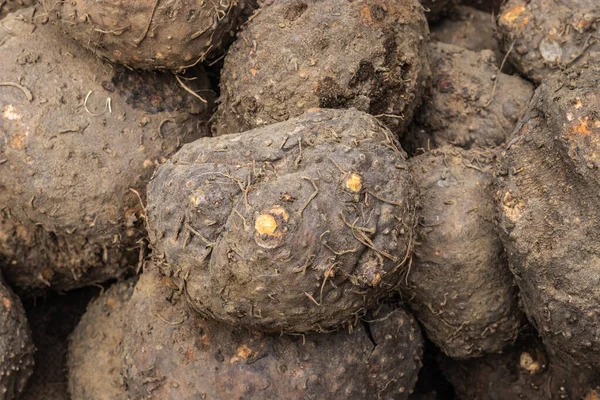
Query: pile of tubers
[299, 199]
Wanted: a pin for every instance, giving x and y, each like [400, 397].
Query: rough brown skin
[170, 353]
[459, 285]
[94, 360]
[267, 237]
[549, 213]
[523, 372]
[436, 9]
[149, 34]
[16, 346]
[67, 163]
[52, 318]
[9, 6]
[295, 55]
[470, 29]
[549, 35]
[457, 111]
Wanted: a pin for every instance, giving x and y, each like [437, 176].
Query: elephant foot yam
[298, 226]
[16, 345]
[471, 103]
[459, 285]
[544, 36]
[149, 34]
[168, 352]
[524, 372]
[76, 153]
[549, 213]
[94, 357]
[299, 54]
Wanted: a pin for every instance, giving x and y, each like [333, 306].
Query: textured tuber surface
[550, 35]
[169, 353]
[459, 284]
[297, 226]
[75, 137]
[296, 55]
[16, 346]
[94, 358]
[462, 108]
[549, 213]
[149, 34]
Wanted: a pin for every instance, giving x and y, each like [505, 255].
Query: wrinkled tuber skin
[436, 9]
[470, 29]
[296, 55]
[297, 226]
[16, 346]
[170, 353]
[549, 213]
[75, 137]
[459, 285]
[148, 34]
[523, 372]
[460, 109]
[548, 35]
[94, 359]
[9, 6]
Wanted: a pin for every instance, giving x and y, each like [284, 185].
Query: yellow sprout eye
[354, 183]
[270, 227]
[265, 224]
[529, 364]
[513, 14]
